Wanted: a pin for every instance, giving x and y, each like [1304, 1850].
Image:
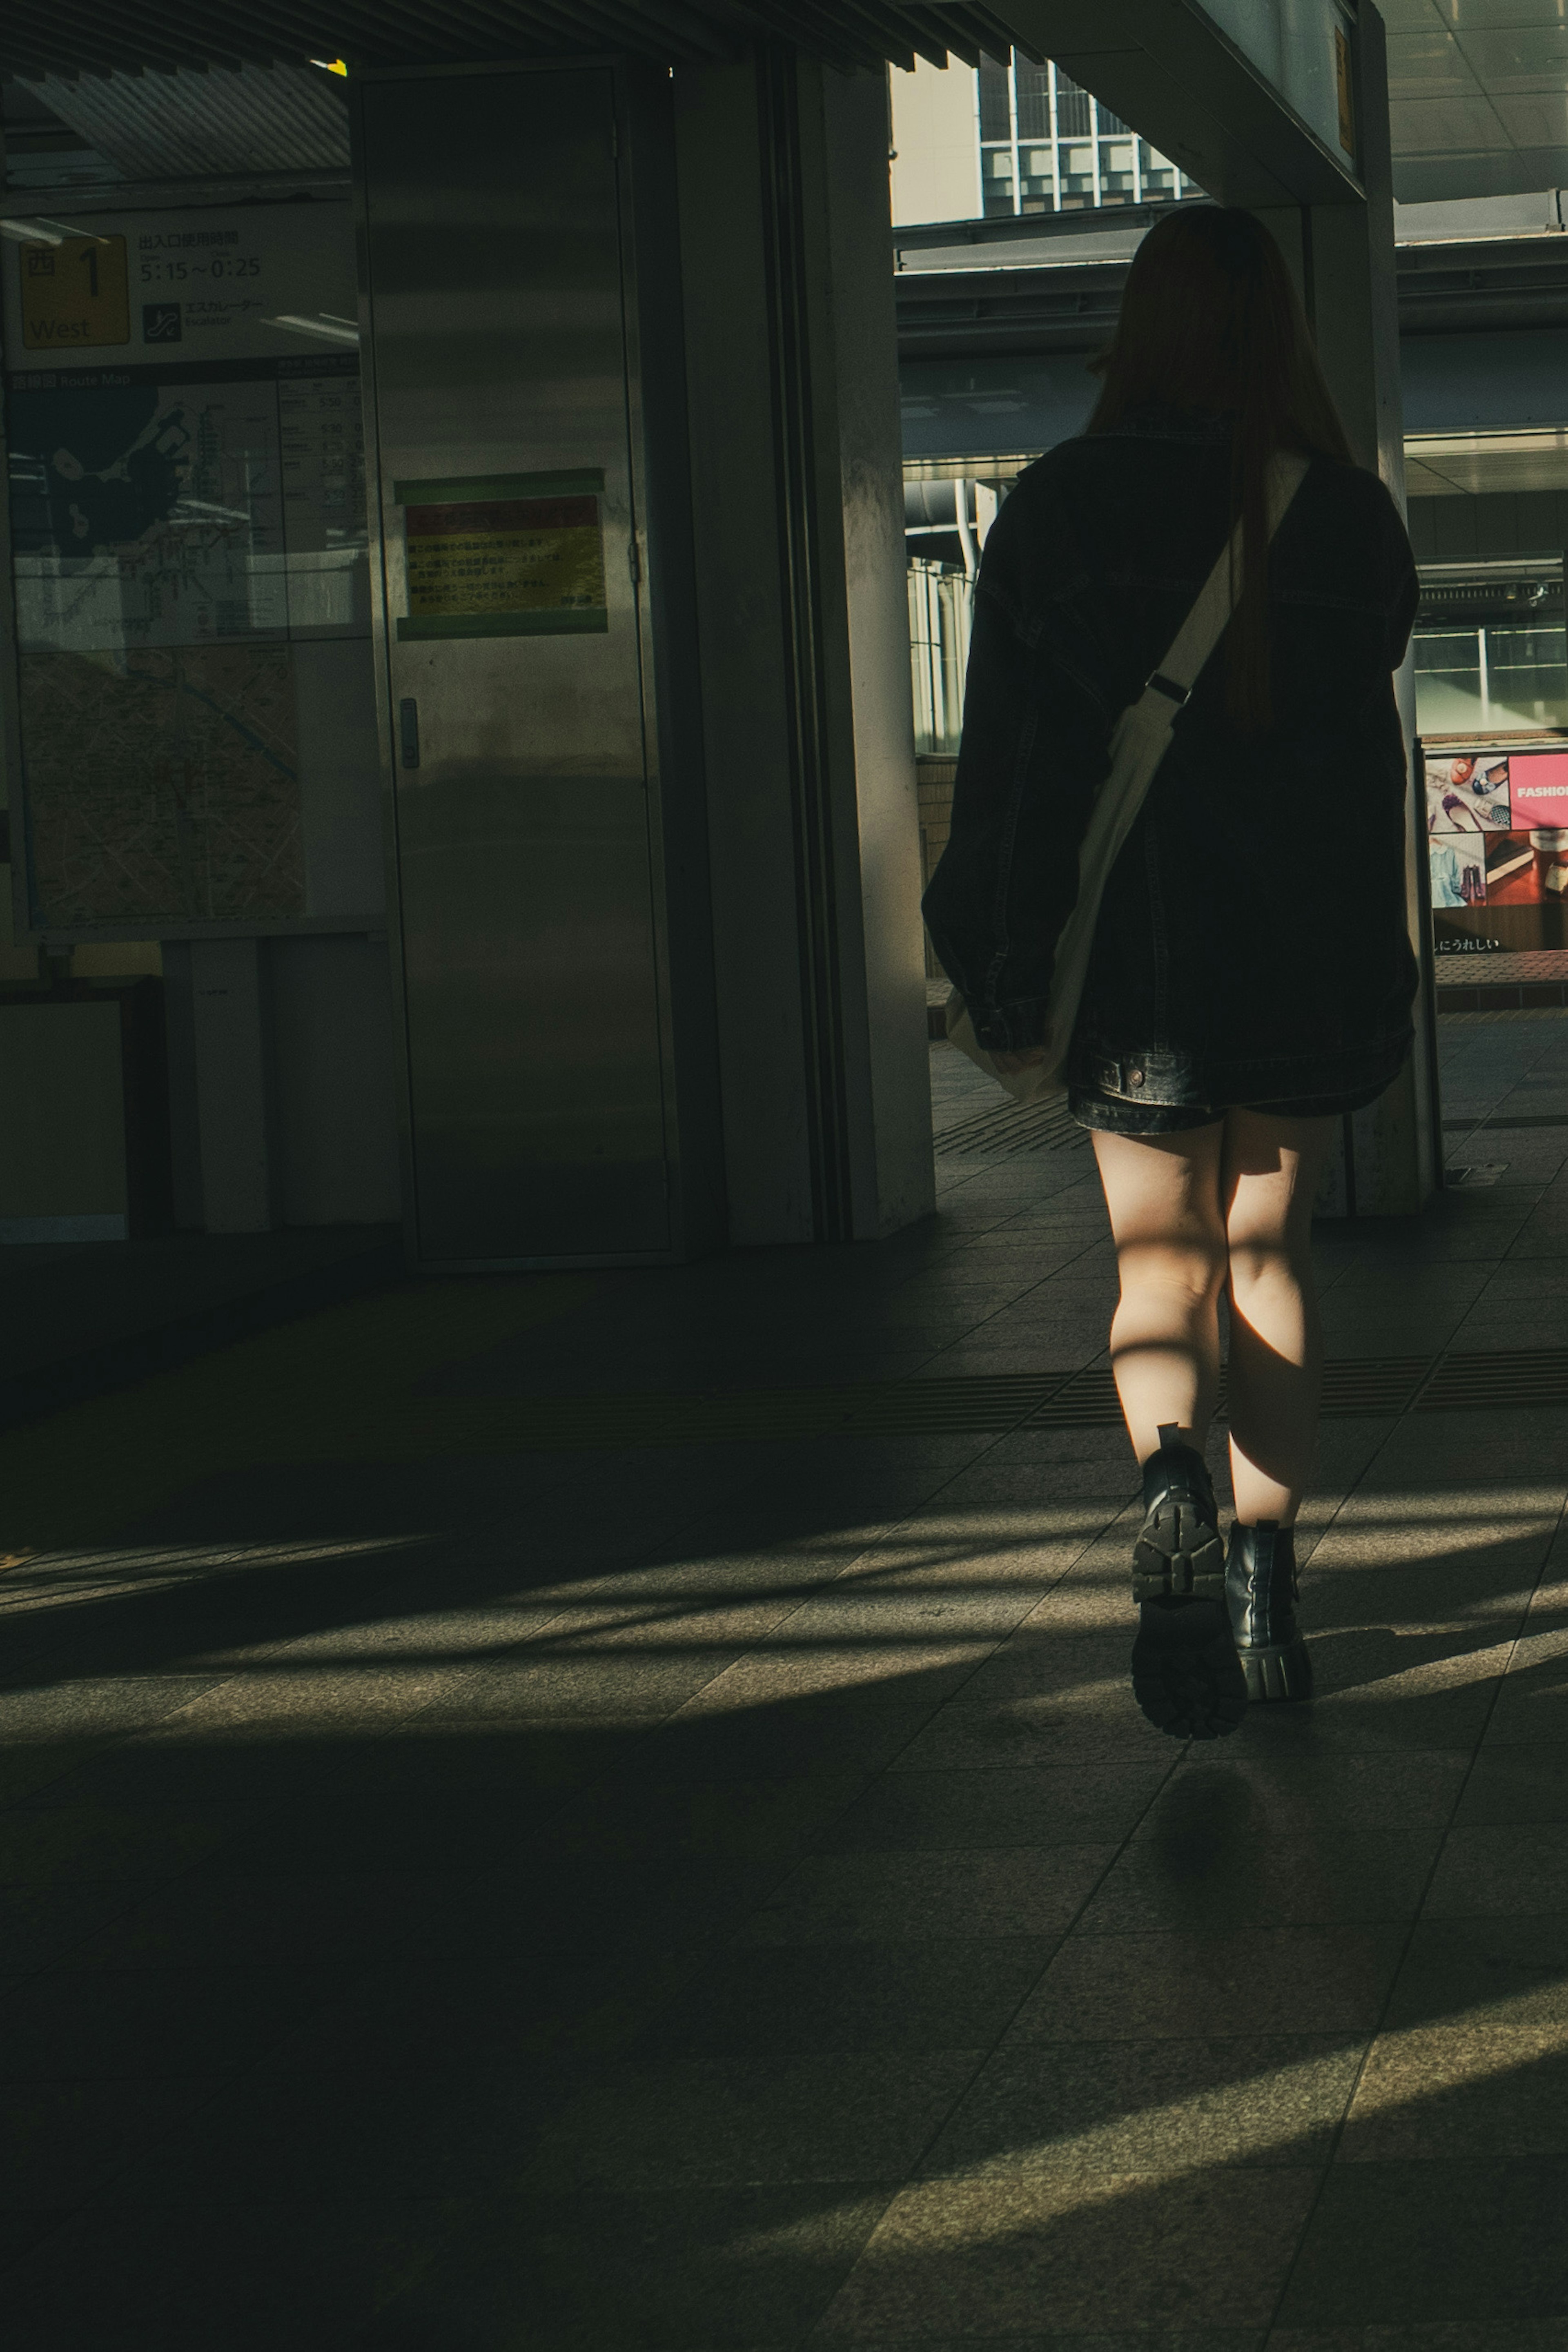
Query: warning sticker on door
[503, 560]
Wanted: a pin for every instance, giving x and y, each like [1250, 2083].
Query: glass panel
[1448, 681]
[1108, 122]
[1522, 680]
[1073, 108]
[1034, 100]
[1526, 678]
[995, 121]
[938, 652]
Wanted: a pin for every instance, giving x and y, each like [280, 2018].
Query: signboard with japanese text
[512, 555]
[75, 294]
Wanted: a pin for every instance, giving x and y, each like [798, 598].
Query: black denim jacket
[1255, 922]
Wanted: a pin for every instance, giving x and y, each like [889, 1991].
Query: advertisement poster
[1498, 833]
[187, 512]
[1467, 793]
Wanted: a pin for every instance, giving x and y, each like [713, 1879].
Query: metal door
[497, 365]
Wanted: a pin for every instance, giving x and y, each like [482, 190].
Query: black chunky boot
[1259, 1592]
[1185, 1673]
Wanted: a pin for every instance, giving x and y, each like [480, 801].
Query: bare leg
[1272, 1168]
[1163, 1196]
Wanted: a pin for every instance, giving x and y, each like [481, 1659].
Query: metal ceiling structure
[1478, 94]
[1478, 89]
[155, 126]
[70, 37]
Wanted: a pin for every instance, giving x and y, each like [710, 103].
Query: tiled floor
[723, 1898]
[1502, 964]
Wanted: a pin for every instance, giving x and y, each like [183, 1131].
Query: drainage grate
[1379, 1387]
[1011, 1128]
[1524, 1376]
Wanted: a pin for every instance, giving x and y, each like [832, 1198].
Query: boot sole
[1277, 1673]
[1177, 1556]
[1186, 1675]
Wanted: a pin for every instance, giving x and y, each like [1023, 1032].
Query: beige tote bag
[1137, 744]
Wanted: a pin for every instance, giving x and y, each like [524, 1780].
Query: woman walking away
[1250, 978]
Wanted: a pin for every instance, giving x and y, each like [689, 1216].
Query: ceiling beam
[1170, 73]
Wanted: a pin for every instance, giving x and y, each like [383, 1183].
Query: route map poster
[187, 517]
[193, 804]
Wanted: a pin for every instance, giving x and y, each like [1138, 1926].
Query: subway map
[173, 542]
[146, 515]
[164, 784]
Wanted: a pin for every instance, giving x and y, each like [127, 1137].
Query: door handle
[408, 731]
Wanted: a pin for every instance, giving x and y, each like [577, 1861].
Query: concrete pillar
[1343, 256]
[798, 524]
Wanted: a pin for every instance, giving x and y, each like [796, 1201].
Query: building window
[1047, 146]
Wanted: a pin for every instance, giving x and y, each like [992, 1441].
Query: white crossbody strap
[1201, 630]
[1139, 742]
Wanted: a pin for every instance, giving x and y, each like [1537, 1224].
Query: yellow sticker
[75, 294]
[1345, 91]
[478, 566]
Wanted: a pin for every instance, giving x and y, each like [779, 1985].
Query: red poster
[1538, 791]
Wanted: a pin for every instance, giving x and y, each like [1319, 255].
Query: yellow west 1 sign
[75, 294]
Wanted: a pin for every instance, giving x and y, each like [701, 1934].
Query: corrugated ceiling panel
[156, 126]
[49, 39]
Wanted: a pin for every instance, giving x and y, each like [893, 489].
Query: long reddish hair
[1210, 320]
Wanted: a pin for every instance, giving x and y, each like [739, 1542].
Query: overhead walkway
[539, 1812]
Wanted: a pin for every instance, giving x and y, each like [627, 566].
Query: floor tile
[1518, 2334]
[1222, 1878]
[150, 2278]
[1468, 2088]
[1064, 1805]
[1232, 1792]
[1394, 2243]
[654, 1824]
[1050, 1728]
[846, 1898]
[45, 1924]
[462, 2130]
[1495, 1871]
[851, 2115]
[1275, 1980]
[942, 1993]
[1095, 2250]
[51, 1844]
[100, 2025]
[62, 2142]
[709, 2268]
[1511, 1784]
[1164, 2105]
